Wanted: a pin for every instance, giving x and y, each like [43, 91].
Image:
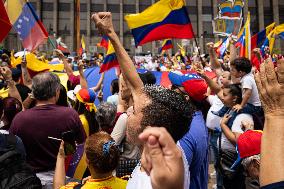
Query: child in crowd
[241, 68]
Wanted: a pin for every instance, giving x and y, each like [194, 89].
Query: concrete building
[58, 18]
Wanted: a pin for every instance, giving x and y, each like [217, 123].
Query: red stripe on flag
[35, 38]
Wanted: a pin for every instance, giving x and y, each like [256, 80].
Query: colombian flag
[104, 42]
[167, 44]
[26, 23]
[164, 19]
[110, 60]
[258, 38]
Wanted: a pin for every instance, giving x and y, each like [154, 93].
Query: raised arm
[103, 21]
[25, 74]
[13, 91]
[270, 85]
[83, 81]
[233, 49]
[99, 84]
[59, 174]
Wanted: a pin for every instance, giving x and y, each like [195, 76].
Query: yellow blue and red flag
[82, 46]
[26, 23]
[104, 42]
[258, 38]
[167, 44]
[244, 40]
[230, 9]
[221, 49]
[4, 22]
[110, 59]
[164, 19]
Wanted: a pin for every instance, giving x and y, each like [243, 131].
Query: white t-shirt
[140, 180]
[248, 82]
[213, 121]
[236, 128]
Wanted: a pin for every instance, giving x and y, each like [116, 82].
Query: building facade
[58, 18]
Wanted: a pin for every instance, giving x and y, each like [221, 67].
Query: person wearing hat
[83, 100]
[195, 142]
[248, 147]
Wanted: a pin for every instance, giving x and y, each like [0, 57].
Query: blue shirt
[195, 146]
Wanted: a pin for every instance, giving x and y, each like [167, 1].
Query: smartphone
[69, 142]
[24, 56]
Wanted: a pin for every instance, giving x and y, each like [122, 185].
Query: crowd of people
[145, 135]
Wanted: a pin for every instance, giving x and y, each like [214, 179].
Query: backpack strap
[78, 186]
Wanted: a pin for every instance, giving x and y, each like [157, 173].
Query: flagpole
[52, 44]
[77, 26]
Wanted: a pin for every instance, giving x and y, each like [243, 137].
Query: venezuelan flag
[26, 23]
[167, 44]
[268, 42]
[110, 60]
[222, 48]
[4, 21]
[245, 39]
[231, 10]
[104, 42]
[76, 164]
[258, 38]
[164, 19]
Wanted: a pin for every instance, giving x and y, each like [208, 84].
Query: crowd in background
[144, 135]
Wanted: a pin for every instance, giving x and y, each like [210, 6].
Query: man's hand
[270, 84]
[103, 21]
[237, 107]
[24, 63]
[61, 153]
[7, 73]
[163, 160]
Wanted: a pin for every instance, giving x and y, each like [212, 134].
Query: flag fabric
[82, 46]
[62, 46]
[258, 38]
[222, 48]
[110, 59]
[268, 43]
[164, 19]
[230, 9]
[245, 39]
[279, 30]
[218, 43]
[104, 42]
[167, 44]
[76, 165]
[182, 50]
[26, 23]
[4, 22]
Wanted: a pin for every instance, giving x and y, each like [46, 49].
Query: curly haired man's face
[135, 115]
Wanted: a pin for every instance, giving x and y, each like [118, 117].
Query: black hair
[148, 78]
[62, 100]
[167, 109]
[115, 86]
[90, 116]
[242, 64]
[235, 90]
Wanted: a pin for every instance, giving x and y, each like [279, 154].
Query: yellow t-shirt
[106, 183]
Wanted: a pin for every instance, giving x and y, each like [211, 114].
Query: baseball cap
[193, 84]
[248, 144]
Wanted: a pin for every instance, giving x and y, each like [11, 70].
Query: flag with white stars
[29, 28]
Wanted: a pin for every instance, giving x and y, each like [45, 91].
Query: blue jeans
[214, 144]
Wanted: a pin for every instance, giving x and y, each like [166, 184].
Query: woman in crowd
[102, 157]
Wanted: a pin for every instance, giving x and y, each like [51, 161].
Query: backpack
[14, 171]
